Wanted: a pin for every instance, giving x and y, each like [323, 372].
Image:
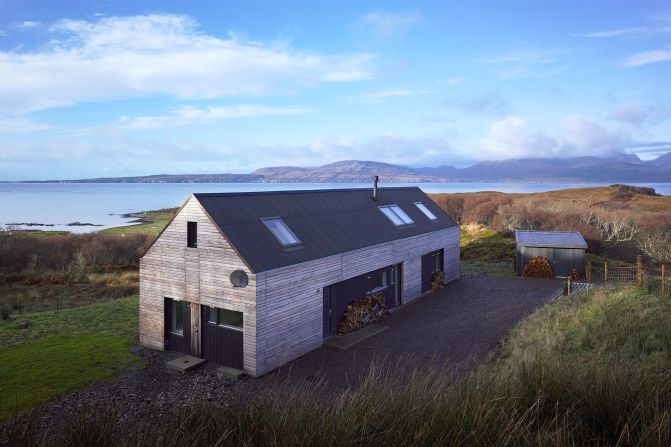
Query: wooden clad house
[254, 280]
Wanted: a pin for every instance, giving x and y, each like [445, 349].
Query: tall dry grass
[592, 369]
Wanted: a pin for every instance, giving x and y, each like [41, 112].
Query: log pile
[362, 312]
[437, 281]
[575, 275]
[538, 267]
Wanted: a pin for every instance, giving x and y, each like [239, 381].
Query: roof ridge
[297, 191]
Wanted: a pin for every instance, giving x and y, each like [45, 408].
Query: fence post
[589, 272]
[639, 271]
[605, 273]
[663, 279]
[570, 285]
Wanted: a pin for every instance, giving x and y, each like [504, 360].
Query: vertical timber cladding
[290, 300]
[338, 296]
[171, 269]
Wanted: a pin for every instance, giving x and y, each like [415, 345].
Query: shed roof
[327, 222]
[560, 239]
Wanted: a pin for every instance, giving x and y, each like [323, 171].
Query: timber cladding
[200, 276]
[282, 304]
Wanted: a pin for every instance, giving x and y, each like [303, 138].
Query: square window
[230, 318]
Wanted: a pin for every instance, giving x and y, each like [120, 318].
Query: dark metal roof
[559, 239]
[327, 222]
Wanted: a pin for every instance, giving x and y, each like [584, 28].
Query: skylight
[397, 216]
[281, 231]
[426, 211]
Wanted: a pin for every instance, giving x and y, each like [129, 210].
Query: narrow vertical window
[192, 234]
[177, 318]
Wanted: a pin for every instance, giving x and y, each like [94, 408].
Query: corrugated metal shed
[557, 239]
[327, 222]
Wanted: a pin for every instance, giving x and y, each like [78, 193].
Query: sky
[117, 88]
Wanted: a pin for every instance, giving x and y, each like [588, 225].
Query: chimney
[375, 177]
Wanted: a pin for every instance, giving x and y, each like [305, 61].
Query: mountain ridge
[585, 169]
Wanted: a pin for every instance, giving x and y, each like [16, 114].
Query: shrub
[538, 267]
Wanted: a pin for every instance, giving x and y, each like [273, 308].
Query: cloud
[630, 113]
[160, 55]
[648, 57]
[384, 25]
[186, 115]
[639, 31]
[385, 95]
[20, 124]
[512, 137]
[528, 64]
[28, 24]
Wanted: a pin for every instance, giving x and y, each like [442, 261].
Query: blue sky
[108, 88]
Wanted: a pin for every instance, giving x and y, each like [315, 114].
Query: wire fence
[653, 278]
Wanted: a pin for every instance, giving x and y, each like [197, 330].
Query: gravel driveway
[459, 326]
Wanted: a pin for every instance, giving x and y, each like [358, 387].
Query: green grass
[156, 221]
[63, 350]
[486, 251]
[590, 369]
[33, 373]
[115, 318]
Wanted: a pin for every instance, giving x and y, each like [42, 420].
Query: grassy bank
[63, 350]
[150, 222]
[592, 369]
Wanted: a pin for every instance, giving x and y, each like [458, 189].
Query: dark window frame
[192, 234]
[177, 308]
[217, 311]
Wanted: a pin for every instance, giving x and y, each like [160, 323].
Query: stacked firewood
[362, 312]
[437, 281]
[575, 275]
[538, 267]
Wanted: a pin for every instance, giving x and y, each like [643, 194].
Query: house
[254, 280]
[565, 250]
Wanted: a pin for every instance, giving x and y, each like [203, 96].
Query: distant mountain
[617, 168]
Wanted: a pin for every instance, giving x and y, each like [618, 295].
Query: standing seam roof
[560, 239]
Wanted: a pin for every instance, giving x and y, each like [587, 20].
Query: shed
[564, 249]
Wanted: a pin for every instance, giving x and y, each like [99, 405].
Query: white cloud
[384, 25]
[648, 57]
[28, 24]
[512, 137]
[187, 115]
[630, 113]
[528, 63]
[384, 95]
[20, 124]
[124, 57]
[638, 31]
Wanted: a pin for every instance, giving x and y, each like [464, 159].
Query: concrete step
[185, 364]
[226, 372]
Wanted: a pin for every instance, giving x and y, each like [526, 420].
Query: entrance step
[226, 372]
[185, 364]
[349, 340]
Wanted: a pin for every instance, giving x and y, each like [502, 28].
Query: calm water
[103, 203]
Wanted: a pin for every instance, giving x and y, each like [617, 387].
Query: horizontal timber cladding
[289, 307]
[195, 275]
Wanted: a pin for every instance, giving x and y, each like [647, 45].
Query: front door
[177, 325]
[222, 336]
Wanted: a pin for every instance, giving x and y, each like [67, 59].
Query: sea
[56, 206]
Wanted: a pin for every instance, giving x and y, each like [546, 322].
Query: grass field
[484, 250]
[154, 223]
[63, 350]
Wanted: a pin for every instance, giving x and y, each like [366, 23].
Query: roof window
[426, 211]
[397, 216]
[281, 231]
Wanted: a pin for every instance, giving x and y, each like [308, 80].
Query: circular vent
[239, 279]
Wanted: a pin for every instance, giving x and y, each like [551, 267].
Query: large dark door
[338, 296]
[177, 325]
[431, 263]
[222, 336]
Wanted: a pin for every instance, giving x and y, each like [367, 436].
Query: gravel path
[458, 326]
